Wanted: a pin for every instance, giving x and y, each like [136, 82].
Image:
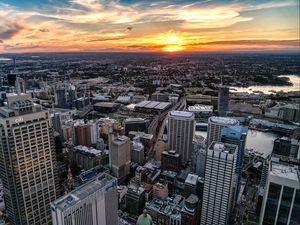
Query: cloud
[1, 41]
[8, 30]
[253, 42]
[44, 30]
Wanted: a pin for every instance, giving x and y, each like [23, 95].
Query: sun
[171, 42]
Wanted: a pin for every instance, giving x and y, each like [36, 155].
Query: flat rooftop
[285, 171]
[223, 120]
[223, 147]
[181, 114]
[102, 182]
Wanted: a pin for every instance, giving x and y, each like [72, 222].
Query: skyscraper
[281, 202]
[120, 157]
[223, 100]
[181, 129]
[219, 183]
[236, 135]
[215, 125]
[93, 203]
[27, 160]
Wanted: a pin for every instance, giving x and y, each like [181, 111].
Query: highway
[162, 121]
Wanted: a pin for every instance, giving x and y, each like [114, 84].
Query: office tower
[288, 147]
[82, 133]
[181, 129]
[93, 203]
[219, 183]
[170, 160]
[191, 185]
[223, 100]
[236, 135]
[27, 160]
[199, 155]
[120, 156]
[215, 125]
[135, 200]
[20, 85]
[281, 202]
[60, 97]
[137, 152]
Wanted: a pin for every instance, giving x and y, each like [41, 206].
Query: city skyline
[141, 26]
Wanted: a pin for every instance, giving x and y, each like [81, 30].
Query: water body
[267, 89]
[256, 140]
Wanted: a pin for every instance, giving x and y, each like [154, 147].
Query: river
[267, 89]
[256, 140]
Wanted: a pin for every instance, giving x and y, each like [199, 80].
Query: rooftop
[100, 183]
[283, 170]
[223, 147]
[181, 114]
[87, 150]
[223, 120]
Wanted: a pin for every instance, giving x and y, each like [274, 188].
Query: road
[162, 120]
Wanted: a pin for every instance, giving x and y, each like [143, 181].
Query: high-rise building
[82, 134]
[281, 202]
[27, 160]
[286, 147]
[137, 152]
[181, 130]
[199, 156]
[215, 125]
[219, 183]
[135, 199]
[93, 203]
[170, 160]
[223, 100]
[120, 157]
[236, 135]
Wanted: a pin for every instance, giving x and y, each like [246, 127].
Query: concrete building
[27, 160]
[288, 147]
[201, 110]
[281, 202]
[190, 212]
[215, 125]
[135, 200]
[120, 156]
[191, 185]
[135, 124]
[88, 157]
[137, 152]
[223, 100]
[93, 203]
[181, 130]
[160, 190]
[219, 183]
[170, 160]
[82, 134]
[199, 155]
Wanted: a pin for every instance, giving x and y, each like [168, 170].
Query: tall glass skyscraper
[281, 202]
[236, 135]
[27, 160]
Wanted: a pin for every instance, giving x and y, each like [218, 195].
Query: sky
[148, 26]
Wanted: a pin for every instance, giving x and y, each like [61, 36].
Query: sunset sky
[136, 26]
